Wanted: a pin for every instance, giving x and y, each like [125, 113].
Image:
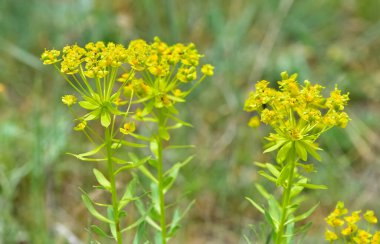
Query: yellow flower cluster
[293, 106]
[150, 70]
[346, 227]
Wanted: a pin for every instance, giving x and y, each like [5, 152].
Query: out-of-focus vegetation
[325, 41]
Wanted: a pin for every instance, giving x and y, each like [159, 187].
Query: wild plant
[121, 90]
[298, 115]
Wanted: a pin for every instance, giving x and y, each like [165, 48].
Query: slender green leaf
[92, 115]
[146, 172]
[112, 226]
[180, 121]
[261, 210]
[135, 224]
[163, 133]
[99, 231]
[88, 203]
[128, 195]
[302, 216]
[129, 144]
[102, 179]
[89, 105]
[133, 165]
[89, 153]
[283, 152]
[272, 169]
[140, 137]
[179, 165]
[312, 149]
[312, 186]
[269, 177]
[275, 145]
[284, 175]
[139, 233]
[262, 191]
[154, 147]
[301, 151]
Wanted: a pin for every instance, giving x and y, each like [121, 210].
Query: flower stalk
[113, 190]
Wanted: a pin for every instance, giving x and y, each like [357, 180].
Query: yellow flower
[50, 56]
[362, 237]
[376, 238]
[254, 122]
[350, 229]
[208, 70]
[69, 100]
[337, 101]
[334, 221]
[128, 128]
[81, 126]
[126, 76]
[177, 93]
[370, 217]
[353, 218]
[330, 236]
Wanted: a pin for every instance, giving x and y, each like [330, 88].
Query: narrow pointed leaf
[312, 186]
[88, 203]
[302, 216]
[102, 179]
[261, 210]
[99, 231]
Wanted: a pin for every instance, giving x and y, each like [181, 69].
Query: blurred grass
[324, 41]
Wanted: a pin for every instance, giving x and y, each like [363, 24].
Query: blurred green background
[246, 40]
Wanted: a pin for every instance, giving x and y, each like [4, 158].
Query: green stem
[111, 175]
[286, 195]
[160, 178]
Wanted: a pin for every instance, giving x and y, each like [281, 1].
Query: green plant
[149, 77]
[298, 115]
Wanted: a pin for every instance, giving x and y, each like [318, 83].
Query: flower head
[69, 100]
[208, 70]
[370, 217]
[128, 128]
[50, 56]
[297, 112]
[330, 236]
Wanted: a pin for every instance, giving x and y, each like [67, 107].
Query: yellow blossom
[69, 100]
[350, 229]
[81, 126]
[208, 70]
[128, 128]
[376, 238]
[370, 217]
[353, 218]
[50, 56]
[330, 236]
[254, 122]
[362, 237]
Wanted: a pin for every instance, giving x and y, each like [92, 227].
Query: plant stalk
[160, 178]
[286, 195]
[111, 176]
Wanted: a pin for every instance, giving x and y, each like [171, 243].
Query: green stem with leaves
[160, 178]
[291, 161]
[111, 175]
